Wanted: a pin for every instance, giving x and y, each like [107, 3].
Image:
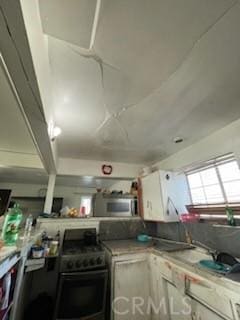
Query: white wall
[78, 167]
[125, 186]
[219, 143]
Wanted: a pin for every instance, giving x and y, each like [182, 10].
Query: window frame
[90, 197]
[213, 210]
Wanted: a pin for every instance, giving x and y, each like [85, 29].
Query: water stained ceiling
[130, 75]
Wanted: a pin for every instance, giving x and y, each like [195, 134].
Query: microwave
[114, 205]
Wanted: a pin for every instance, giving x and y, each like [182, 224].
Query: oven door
[82, 296]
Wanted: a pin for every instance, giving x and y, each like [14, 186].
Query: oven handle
[133, 205]
[83, 274]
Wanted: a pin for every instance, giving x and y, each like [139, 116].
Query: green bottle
[11, 225]
[230, 217]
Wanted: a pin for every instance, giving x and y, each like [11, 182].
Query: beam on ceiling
[18, 65]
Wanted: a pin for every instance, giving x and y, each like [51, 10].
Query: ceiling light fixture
[56, 131]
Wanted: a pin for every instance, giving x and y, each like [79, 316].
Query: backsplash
[120, 230]
[221, 238]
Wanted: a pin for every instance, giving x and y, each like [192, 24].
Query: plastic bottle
[11, 225]
[28, 226]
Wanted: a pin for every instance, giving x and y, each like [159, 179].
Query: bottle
[28, 226]
[11, 225]
[230, 217]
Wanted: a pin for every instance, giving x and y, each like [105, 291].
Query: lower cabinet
[172, 301]
[131, 290]
[151, 287]
[182, 307]
[201, 312]
[179, 305]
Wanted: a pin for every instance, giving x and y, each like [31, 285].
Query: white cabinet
[201, 312]
[183, 295]
[131, 290]
[164, 194]
[152, 199]
[182, 307]
[179, 305]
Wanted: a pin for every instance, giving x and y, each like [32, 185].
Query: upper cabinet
[164, 195]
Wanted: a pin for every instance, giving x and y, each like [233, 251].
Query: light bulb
[56, 132]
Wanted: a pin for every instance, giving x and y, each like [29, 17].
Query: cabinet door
[175, 195]
[179, 305]
[131, 290]
[158, 291]
[201, 312]
[152, 198]
[154, 280]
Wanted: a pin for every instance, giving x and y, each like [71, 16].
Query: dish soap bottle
[230, 217]
[11, 225]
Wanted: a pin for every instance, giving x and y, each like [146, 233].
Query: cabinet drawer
[212, 296]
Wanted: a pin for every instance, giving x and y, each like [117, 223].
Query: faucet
[211, 251]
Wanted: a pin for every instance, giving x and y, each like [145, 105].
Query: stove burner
[77, 256]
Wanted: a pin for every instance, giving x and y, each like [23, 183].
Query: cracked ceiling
[130, 75]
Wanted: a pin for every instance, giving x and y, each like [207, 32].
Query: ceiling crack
[90, 53]
[95, 23]
[125, 108]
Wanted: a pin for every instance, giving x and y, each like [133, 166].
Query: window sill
[216, 210]
[225, 226]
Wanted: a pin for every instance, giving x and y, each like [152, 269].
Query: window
[86, 205]
[218, 182]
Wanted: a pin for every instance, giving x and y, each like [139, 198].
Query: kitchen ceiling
[147, 72]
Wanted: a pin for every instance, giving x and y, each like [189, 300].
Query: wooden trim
[214, 209]
[140, 198]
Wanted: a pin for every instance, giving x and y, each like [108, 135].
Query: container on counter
[37, 252]
[53, 248]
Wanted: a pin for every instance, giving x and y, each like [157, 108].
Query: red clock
[107, 169]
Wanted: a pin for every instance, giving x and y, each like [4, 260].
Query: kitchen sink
[202, 259]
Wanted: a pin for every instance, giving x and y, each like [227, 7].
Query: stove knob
[78, 264]
[92, 262]
[99, 260]
[69, 264]
[85, 263]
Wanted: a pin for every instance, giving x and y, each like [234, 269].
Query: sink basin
[191, 256]
[201, 258]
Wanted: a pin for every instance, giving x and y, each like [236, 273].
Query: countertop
[9, 255]
[119, 247]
